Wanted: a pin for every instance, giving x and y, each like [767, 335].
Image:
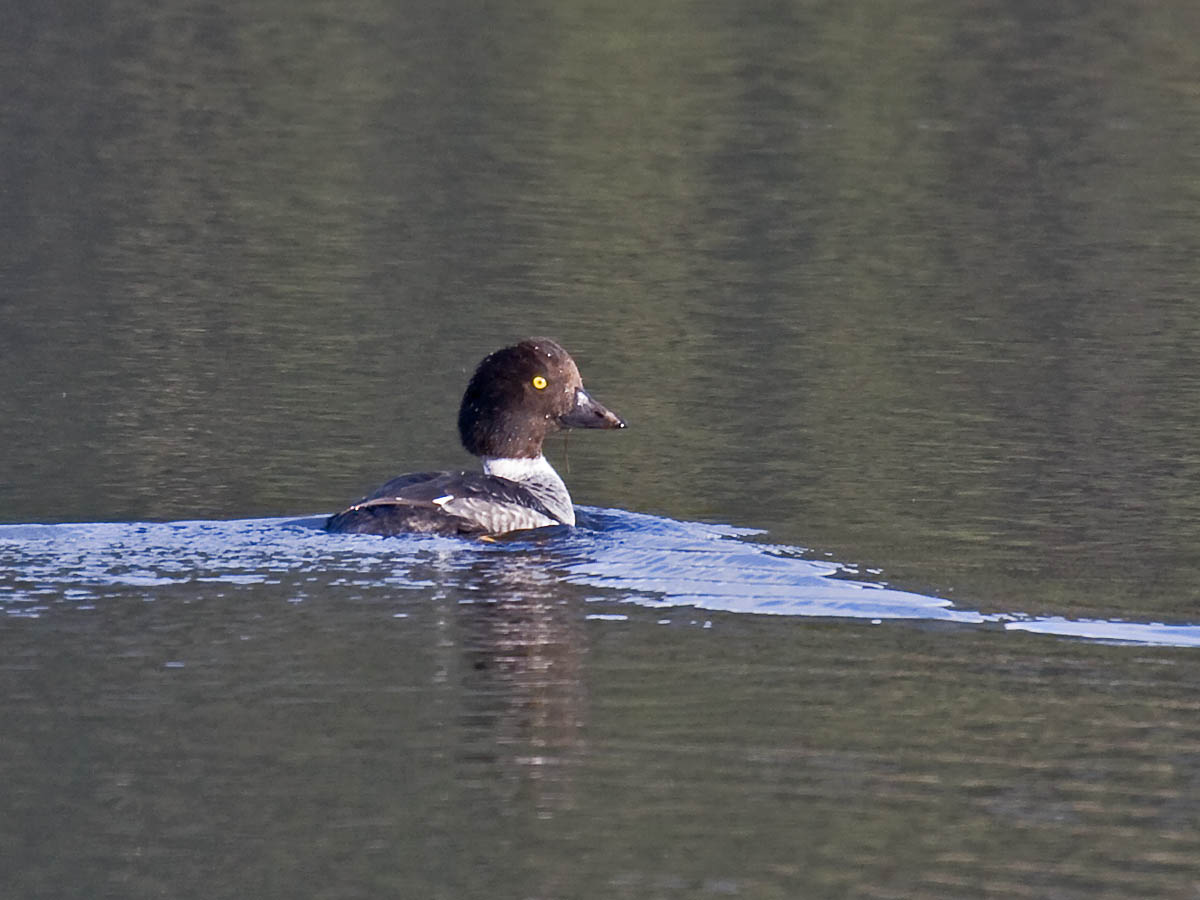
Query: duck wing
[449, 503]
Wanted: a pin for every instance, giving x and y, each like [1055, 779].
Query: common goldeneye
[517, 396]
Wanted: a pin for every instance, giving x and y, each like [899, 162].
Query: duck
[518, 396]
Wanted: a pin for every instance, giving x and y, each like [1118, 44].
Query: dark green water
[913, 287]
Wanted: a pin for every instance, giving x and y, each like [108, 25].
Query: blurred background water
[911, 287]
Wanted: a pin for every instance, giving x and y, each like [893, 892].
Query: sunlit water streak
[626, 557]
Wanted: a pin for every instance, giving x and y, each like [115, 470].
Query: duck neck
[539, 478]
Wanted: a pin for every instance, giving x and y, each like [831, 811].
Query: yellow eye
[539, 382]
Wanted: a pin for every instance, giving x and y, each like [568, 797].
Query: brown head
[521, 394]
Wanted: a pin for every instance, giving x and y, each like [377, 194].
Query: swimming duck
[517, 397]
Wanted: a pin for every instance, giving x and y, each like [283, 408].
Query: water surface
[913, 288]
[201, 706]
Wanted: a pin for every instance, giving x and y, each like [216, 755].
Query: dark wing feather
[406, 505]
[416, 485]
[392, 517]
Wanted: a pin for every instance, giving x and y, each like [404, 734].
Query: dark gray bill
[587, 413]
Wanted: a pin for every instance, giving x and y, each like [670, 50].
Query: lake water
[891, 589]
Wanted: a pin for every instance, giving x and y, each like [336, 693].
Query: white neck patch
[539, 478]
[536, 469]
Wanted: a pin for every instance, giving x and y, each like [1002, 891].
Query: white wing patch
[496, 517]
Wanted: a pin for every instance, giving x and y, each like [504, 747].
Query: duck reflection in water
[518, 648]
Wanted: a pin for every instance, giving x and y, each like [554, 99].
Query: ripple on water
[627, 557]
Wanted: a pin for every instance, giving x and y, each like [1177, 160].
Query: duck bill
[588, 413]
